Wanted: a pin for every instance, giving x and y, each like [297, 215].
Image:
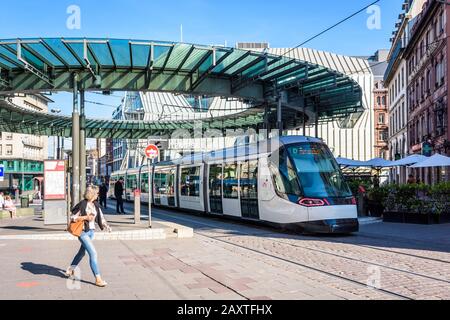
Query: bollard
[137, 206]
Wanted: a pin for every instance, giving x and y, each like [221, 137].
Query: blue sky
[282, 23]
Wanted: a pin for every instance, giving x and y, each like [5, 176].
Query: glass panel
[43, 51]
[285, 178]
[6, 63]
[160, 55]
[196, 56]
[230, 182]
[121, 52]
[179, 53]
[144, 183]
[62, 51]
[78, 48]
[318, 171]
[141, 54]
[8, 54]
[132, 182]
[190, 182]
[256, 69]
[215, 181]
[102, 53]
[241, 64]
[228, 60]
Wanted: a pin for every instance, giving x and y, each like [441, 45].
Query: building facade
[378, 64]
[426, 59]
[23, 155]
[396, 81]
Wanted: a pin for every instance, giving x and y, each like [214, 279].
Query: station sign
[2, 173]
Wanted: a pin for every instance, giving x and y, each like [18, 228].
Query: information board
[54, 180]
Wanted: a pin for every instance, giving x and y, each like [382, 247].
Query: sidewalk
[124, 228]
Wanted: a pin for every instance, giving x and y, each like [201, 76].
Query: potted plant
[377, 198]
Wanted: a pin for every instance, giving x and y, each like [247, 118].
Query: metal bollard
[137, 206]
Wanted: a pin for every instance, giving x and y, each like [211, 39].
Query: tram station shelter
[280, 91]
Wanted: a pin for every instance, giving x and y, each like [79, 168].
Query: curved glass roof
[49, 64]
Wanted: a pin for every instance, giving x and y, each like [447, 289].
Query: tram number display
[306, 150]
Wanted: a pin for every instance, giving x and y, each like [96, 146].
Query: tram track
[290, 261]
[233, 240]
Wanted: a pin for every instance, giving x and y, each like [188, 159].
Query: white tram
[292, 182]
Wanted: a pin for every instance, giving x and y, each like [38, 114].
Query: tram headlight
[307, 202]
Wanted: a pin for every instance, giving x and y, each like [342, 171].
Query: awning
[433, 162]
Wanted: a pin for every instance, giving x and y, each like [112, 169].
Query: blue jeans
[86, 239]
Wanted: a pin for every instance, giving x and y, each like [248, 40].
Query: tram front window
[318, 172]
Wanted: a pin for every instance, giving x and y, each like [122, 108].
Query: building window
[383, 100]
[381, 118]
[0, 149]
[403, 77]
[9, 149]
[9, 136]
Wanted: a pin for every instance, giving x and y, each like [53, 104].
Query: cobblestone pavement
[227, 260]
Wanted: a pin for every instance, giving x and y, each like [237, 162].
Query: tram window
[190, 182]
[249, 179]
[230, 182]
[285, 177]
[162, 183]
[144, 183]
[215, 181]
[132, 182]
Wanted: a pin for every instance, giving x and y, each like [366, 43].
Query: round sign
[152, 152]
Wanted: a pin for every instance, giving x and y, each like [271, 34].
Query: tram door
[215, 188]
[249, 189]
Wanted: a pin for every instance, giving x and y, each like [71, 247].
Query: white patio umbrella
[415, 158]
[435, 161]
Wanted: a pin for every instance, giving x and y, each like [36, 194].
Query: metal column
[75, 144]
[317, 120]
[304, 118]
[279, 117]
[82, 145]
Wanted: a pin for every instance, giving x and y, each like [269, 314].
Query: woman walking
[90, 212]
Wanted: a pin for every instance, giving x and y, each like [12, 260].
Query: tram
[292, 182]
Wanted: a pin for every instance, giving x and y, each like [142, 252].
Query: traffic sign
[152, 152]
[2, 172]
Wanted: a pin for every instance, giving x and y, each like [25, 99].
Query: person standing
[2, 200]
[10, 207]
[88, 211]
[118, 193]
[103, 193]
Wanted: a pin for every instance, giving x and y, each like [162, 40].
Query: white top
[90, 210]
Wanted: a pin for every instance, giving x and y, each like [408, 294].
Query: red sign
[54, 180]
[152, 152]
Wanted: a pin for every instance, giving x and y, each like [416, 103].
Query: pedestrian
[376, 182]
[2, 200]
[103, 193]
[90, 212]
[411, 179]
[10, 206]
[118, 193]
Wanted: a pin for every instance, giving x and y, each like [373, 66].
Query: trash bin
[25, 202]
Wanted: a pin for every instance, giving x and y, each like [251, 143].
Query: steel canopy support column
[316, 108]
[75, 144]
[82, 145]
[279, 117]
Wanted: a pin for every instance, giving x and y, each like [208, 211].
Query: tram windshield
[318, 172]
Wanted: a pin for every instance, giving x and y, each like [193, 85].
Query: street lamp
[23, 165]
